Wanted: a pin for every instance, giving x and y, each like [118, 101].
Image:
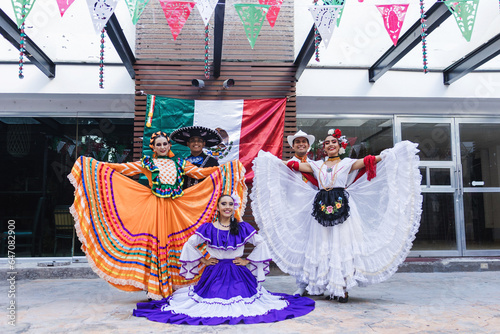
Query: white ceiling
[70, 38]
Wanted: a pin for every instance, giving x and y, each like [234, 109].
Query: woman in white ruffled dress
[356, 230]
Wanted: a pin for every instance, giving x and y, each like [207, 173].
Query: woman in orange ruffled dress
[133, 235]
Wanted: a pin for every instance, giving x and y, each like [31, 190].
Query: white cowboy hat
[310, 138]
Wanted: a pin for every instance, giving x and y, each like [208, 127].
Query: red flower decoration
[344, 145]
[337, 133]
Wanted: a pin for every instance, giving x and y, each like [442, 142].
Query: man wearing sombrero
[196, 138]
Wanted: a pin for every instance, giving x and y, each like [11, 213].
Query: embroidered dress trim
[161, 189]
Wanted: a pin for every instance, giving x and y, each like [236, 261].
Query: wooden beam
[35, 55]
[436, 15]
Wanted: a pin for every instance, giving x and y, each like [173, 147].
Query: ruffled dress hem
[297, 306]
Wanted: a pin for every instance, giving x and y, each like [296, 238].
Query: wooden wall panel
[252, 81]
[154, 40]
[166, 67]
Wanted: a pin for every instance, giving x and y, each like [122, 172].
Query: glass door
[459, 163]
[438, 234]
[479, 142]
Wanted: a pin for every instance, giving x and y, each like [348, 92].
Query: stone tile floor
[456, 302]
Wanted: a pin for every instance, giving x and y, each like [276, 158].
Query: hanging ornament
[176, 13]
[317, 38]
[135, 8]
[22, 50]
[101, 60]
[60, 146]
[317, 42]
[272, 14]
[325, 18]
[464, 12]
[423, 35]
[206, 9]
[22, 8]
[64, 5]
[100, 12]
[393, 16]
[252, 16]
[207, 68]
[18, 139]
[336, 3]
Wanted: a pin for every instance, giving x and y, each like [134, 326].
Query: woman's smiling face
[226, 206]
[331, 146]
[161, 146]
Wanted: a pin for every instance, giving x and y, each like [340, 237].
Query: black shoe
[331, 298]
[344, 299]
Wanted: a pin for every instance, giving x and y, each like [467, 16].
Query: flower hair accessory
[336, 133]
[236, 200]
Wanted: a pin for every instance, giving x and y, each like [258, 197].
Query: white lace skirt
[367, 248]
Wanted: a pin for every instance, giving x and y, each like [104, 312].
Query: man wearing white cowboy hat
[301, 143]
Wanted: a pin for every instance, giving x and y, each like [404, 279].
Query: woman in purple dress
[229, 290]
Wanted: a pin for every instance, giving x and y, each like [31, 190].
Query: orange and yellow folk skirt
[132, 238]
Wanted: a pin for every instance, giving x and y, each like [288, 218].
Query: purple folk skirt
[225, 294]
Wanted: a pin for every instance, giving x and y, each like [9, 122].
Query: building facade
[45, 123]
[456, 125]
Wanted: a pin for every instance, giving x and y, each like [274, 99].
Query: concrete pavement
[454, 302]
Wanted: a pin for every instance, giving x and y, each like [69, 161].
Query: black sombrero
[182, 135]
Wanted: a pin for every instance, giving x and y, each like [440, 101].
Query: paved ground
[465, 302]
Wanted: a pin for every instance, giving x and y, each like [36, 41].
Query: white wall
[70, 38]
[72, 43]
[74, 92]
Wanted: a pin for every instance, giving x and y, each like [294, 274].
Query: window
[366, 135]
[37, 155]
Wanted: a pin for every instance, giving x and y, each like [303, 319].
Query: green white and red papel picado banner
[252, 14]
[246, 126]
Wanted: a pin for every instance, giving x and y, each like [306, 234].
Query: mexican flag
[246, 126]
